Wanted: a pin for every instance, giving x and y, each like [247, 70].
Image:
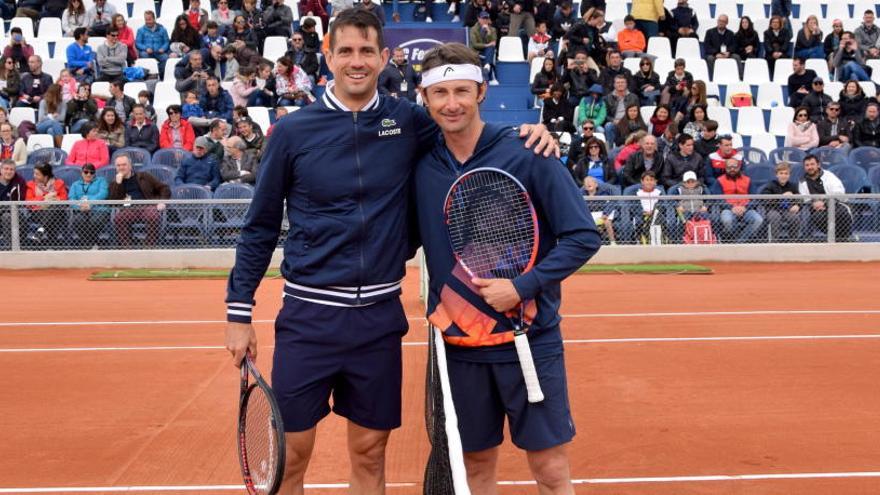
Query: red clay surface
[642, 409]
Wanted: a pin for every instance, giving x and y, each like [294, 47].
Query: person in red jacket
[725, 154]
[89, 149]
[739, 220]
[176, 131]
[45, 187]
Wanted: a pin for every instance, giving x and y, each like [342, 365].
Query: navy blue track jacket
[567, 234]
[346, 179]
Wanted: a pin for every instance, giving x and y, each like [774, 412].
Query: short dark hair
[802, 60]
[710, 125]
[360, 19]
[649, 173]
[812, 157]
[683, 138]
[119, 83]
[215, 124]
[449, 53]
[629, 18]
[87, 128]
[45, 168]
[725, 137]
[137, 105]
[174, 108]
[78, 32]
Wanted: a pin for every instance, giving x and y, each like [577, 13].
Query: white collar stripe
[333, 102]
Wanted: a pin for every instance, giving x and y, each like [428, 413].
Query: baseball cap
[818, 80]
[484, 15]
[689, 175]
[202, 142]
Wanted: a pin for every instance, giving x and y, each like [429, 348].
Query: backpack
[699, 231]
[741, 100]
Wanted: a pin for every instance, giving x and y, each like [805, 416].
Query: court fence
[622, 220]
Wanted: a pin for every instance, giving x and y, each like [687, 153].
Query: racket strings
[491, 225]
[261, 442]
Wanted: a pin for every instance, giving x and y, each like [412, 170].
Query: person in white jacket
[819, 181]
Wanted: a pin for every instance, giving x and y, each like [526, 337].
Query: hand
[119, 177]
[794, 209]
[546, 144]
[150, 51]
[498, 293]
[819, 205]
[738, 210]
[160, 206]
[240, 337]
[84, 206]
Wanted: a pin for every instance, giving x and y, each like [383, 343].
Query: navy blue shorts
[353, 354]
[485, 393]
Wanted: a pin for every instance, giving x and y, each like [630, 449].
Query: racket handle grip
[530, 375]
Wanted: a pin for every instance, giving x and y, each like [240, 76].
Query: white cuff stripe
[239, 305]
[238, 313]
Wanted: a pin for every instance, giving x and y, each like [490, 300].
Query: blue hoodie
[202, 171]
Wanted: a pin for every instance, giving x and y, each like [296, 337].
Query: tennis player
[344, 167]
[487, 381]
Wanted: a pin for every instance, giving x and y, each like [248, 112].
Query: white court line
[422, 344]
[343, 486]
[415, 318]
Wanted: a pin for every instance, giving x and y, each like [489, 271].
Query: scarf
[41, 190]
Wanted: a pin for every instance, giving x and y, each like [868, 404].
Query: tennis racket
[260, 433]
[493, 230]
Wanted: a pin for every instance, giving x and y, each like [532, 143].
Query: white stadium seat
[687, 48]
[510, 49]
[755, 71]
[780, 117]
[50, 28]
[659, 47]
[765, 142]
[39, 141]
[726, 71]
[17, 115]
[722, 116]
[769, 95]
[782, 70]
[750, 121]
[68, 140]
[26, 25]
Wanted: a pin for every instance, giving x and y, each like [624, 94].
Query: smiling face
[455, 105]
[7, 171]
[356, 59]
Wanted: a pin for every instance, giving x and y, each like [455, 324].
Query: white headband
[452, 72]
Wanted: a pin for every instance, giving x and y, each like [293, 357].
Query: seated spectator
[832, 40]
[647, 82]
[707, 141]
[131, 185]
[693, 206]
[191, 74]
[377, 10]
[816, 100]
[219, 64]
[217, 138]
[484, 39]
[802, 133]
[184, 37]
[748, 44]
[228, 54]
[18, 49]
[53, 8]
[630, 123]
[10, 82]
[867, 36]
[292, 85]
[239, 113]
[212, 36]
[223, 15]
[592, 108]
[126, 37]
[318, 8]
[612, 70]
[740, 221]
[50, 118]
[848, 61]
[809, 40]
[695, 121]
[99, 18]
[141, 132]
[545, 79]
[46, 188]
[677, 84]
[176, 132]
[852, 101]
[799, 82]
[592, 161]
[216, 104]
[557, 111]
[539, 43]
[13, 187]
[681, 161]
[646, 159]
[119, 101]
[867, 131]
[240, 35]
[666, 141]
[191, 107]
[695, 94]
[618, 104]
[81, 109]
[563, 20]
[630, 146]
[243, 86]
[278, 18]
[660, 120]
[782, 215]
[81, 57]
[88, 221]
[90, 149]
[68, 85]
[650, 208]
[74, 16]
[603, 212]
[579, 78]
[111, 129]
[201, 168]
[144, 97]
[777, 43]
[248, 131]
[684, 22]
[819, 181]
[398, 79]
[833, 125]
[12, 148]
[197, 17]
[4, 118]
[722, 157]
[307, 59]
[720, 43]
[152, 40]
[239, 164]
[630, 41]
[112, 57]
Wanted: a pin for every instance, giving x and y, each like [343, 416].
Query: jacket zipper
[357, 156]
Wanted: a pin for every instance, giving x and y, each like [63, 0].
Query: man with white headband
[486, 382]
[343, 168]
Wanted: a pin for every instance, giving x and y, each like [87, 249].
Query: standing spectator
[832, 41]
[307, 59]
[630, 41]
[184, 37]
[618, 104]
[557, 110]
[140, 132]
[739, 220]
[74, 16]
[398, 79]
[684, 22]
[90, 149]
[834, 125]
[782, 215]
[818, 181]
[484, 38]
[111, 129]
[809, 40]
[799, 82]
[243, 86]
[748, 44]
[131, 185]
[88, 221]
[867, 131]
[545, 79]
[197, 16]
[47, 189]
[563, 20]
[316, 8]
[81, 109]
[13, 187]
[777, 42]
[120, 101]
[522, 14]
[817, 100]
[254, 140]
[34, 83]
[720, 42]
[681, 161]
[112, 56]
[292, 85]
[646, 159]
[867, 36]
[191, 73]
[18, 49]
[126, 37]
[802, 133]
[81, 57]
[10, 82]
[591, 108]
[176, 132]
[50, 118]
[99, 17]
[278, 18]
[152, 40]
[852, 101]
[12, 148]
[849, 61]
[223, 15]
[239, 165]
[722, 157]
[648, 14]
[200, 169]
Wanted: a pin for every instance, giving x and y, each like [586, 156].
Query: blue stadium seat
[228, 219]
[188, 222]
[874, 179]
[865, 157]
[27, 172]
[108, 172]
[854, 179]
[761, 173]
[54, 156]
[68, 173]
[170, 157]
[139, 156]
[830, 157]
[753, 156]
[790, 155]
[163, 173]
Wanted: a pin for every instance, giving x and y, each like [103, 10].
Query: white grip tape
[533, 386]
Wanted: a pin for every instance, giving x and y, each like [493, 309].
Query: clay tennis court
[759, 379]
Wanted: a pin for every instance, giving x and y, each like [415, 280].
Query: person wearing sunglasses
[816, 101]
[834, 125]
[802, 133]
[89, 220]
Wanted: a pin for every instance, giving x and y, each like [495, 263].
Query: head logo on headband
[447, 71]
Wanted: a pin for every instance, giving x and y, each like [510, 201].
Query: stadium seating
[54, 156]
[753, 156]
[830, 157]
[188, 222]
[510, 49]
[854, 179]
[170, 157]
[68, 173]
[163, 173]
[864, 157]
[139, 156]
[790, 155]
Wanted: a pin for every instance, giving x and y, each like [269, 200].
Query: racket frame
[249, 368]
